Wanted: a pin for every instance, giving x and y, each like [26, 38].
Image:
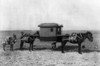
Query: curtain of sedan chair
[58, 30]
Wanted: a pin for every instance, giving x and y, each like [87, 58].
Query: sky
[28, 14]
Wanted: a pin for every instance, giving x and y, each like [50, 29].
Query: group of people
[25, 37]
[74, 35]
[10, 40]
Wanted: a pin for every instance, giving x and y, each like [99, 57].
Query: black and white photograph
[49, 32]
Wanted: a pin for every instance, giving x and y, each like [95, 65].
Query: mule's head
[14, 37]
[89, 35]
[22, 33]
[37, 35]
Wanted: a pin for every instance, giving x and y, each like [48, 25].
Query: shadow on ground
[66, 49]
[33, 49]
[74, 49]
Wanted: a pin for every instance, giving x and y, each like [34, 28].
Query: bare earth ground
[43, 55]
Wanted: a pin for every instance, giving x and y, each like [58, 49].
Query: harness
[73, 36]
[80, 36]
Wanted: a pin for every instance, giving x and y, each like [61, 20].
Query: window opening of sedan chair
[51, 29]
[59, 30]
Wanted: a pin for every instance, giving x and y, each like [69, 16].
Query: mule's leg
[63, 45]
[32, 46]
[4, 46]
[11, 47]
[21, 45]
[79, 48]
[54, 45]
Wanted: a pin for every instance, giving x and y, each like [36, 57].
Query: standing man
[21, 44]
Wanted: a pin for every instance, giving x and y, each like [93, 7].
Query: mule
[76, 38]
[10, 40]
[28, 38]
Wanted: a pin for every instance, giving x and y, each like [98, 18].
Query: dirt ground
[43, 55]
[48, 58]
